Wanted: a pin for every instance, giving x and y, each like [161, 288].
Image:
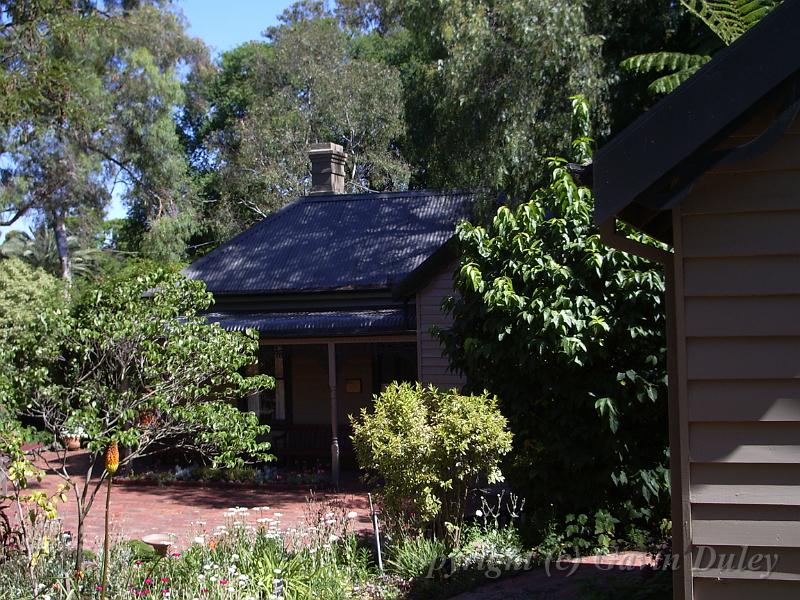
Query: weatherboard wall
[433, 366]
[737, 261]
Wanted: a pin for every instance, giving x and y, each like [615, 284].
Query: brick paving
[188, 509]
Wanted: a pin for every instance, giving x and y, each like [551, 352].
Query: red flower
[165, 580]
[223, 581]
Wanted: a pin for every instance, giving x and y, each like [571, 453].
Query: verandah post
[334, 414]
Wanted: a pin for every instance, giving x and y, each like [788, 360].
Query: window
[270, 405]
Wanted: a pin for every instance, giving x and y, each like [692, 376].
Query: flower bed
[253, 555]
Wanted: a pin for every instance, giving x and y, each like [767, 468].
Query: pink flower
[165, 580]
[148, 581]
[223, 581]
[98, 587]
[176, 554]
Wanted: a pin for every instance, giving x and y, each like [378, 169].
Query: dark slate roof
[318, 323]
[335, 242]
[637, 173]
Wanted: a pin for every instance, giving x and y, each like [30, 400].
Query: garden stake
[112, 464]
[375, 528]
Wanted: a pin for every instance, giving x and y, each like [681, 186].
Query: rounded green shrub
[425, 450]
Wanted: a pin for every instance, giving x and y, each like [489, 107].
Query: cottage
[344, 290]
[713, 171]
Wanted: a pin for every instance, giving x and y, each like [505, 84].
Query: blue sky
[222, 25]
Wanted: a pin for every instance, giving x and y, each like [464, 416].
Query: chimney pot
[327, 168]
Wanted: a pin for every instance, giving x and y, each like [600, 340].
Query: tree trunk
[79, 544]
[60, 230]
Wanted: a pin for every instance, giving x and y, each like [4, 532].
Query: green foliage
[426, 450]
[32, 308]
[681, 67]
[486, 85]
[39, 249]
[90, 95]
[28, 525]
[139, 346]
[727, 19]
[134, 362]
[250, 118]
[412, 557]
[568, 333]
[27, 297]
[313, 560]
[485, 549]
[582, 536]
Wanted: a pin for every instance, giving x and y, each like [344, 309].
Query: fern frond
[663, 61]
[729, 19]
[668, 83]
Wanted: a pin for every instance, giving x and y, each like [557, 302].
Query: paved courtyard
[189, 509]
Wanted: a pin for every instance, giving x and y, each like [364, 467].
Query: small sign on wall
[352, 386]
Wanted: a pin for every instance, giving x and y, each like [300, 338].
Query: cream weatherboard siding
[432, 365]
[737, 261]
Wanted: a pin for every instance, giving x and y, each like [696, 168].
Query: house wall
[737, 261]
[433, 366]
[311, 396]
[353, 361]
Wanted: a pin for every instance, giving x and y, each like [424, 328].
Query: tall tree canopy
[89, 94]
[250, 119]
[486, 83]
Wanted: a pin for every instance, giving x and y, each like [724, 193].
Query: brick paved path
[187, 509]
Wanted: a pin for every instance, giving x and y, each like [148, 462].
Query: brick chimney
[327, 168]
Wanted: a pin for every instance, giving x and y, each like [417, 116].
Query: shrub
[569, 334]
[426, 449]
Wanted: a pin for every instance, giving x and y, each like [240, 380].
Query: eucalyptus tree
[250, 118]
[89, 94]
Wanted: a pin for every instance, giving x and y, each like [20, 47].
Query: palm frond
[729, 19]
[663, 61]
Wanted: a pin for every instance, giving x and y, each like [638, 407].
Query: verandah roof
[319, 323]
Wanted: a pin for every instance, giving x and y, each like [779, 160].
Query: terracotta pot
[72, 443]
